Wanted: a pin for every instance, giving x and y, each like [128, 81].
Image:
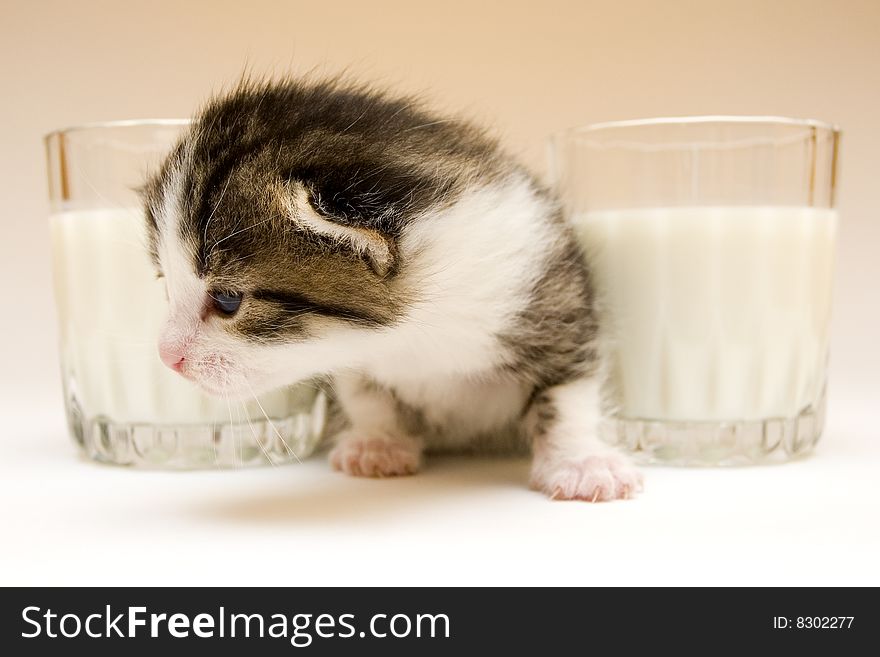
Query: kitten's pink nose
[171, 356]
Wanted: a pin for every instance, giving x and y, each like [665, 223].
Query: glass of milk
[711, 243]
[123, 405]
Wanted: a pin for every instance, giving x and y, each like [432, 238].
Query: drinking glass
[123, 406]
[711, 245]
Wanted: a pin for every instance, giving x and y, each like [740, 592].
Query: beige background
[526, 68]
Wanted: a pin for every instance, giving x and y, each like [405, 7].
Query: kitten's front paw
[365, 455]
[596, 478]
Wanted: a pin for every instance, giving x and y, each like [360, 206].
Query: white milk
[111, 308]
[714, 313]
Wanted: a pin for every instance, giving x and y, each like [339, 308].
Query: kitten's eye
[227, 302]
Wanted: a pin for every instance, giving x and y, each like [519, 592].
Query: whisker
[218, 438]
[372, 172]
[357, 119]
[239, 259]
[247, 416]
[237, 232]
[231, 427]
[111, 204]
[121, 338]
[272, 424]
[399, 110]
[238, 426]
[425, 125]
[216, 205]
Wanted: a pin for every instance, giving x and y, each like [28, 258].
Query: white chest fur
[460, 409]
[471, 268]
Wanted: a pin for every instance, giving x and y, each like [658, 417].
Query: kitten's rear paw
[596, 478]
[375, 455]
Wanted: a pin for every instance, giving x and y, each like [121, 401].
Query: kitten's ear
[372, 246]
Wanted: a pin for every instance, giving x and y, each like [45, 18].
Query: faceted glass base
[717, 443]
[194, 446]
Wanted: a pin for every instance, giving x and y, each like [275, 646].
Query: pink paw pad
[599, 478]
[375, 456]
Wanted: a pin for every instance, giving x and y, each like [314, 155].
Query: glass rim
[118, 123]
[697, 120]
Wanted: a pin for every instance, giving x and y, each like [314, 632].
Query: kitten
[307, 228]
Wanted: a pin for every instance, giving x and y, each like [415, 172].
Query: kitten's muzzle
[171, 357]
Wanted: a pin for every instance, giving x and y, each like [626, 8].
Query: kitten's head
[276, 222]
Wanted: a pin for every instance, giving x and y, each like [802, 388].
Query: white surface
[709, 302]
[463, 521]
[64, 520]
